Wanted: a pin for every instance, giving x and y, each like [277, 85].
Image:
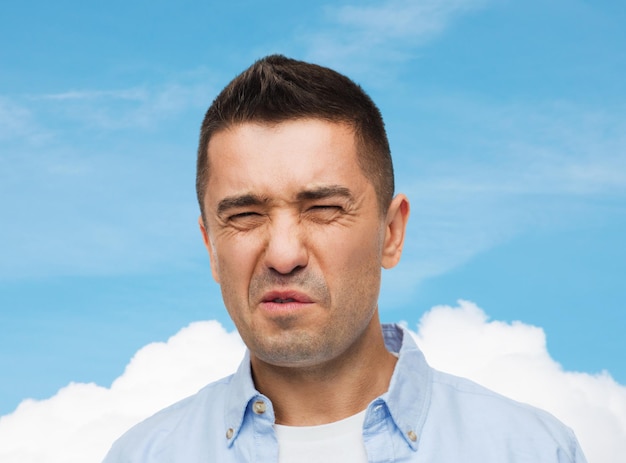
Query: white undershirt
[338, 442]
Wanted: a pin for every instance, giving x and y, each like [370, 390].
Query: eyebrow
[325, 192]
[232, 202]
[247, 200]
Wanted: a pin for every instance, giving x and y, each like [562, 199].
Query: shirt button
[229, 433]
[259, 407]
[412, 436]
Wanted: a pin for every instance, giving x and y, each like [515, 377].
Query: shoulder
[467, 394]
[178, 425]
[492, 418]
[468, 422]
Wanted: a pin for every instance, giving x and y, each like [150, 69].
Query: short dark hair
[277, 89]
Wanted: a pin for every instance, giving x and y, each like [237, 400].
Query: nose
[286, 250]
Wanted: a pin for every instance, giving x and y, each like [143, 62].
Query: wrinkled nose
[286, 250]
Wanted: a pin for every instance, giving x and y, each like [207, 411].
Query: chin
[295, 349]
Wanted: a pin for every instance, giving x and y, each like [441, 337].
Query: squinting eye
[243, 215]
[325, 207]
[324, 213]
[245, 220]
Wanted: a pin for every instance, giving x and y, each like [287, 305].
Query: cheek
[356, 247]
[354, 259]
[235, 262]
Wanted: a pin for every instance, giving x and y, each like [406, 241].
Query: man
[298, 214]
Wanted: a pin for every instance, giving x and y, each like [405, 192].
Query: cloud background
[80, 422]
[507, 121]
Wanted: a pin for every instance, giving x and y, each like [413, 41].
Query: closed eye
[242, 215]
[245, 221]
[325, 207]
[324, 213]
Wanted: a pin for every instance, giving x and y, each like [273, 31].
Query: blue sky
[507, 121]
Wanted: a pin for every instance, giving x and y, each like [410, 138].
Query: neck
[328, 392]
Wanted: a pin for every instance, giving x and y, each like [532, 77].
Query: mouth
[286, 297]
[284, 302]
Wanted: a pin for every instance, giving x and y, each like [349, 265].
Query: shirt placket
[265, 443]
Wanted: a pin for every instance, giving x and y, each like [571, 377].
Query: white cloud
[140, 107]
[137, 93]
[13, 119]
[382, 32]
[18, 122]
[400, 19]
[80, 422]
[512, 359]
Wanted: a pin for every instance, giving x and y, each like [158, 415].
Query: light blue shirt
[426, 416]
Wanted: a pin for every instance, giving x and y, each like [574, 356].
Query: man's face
[295, 238]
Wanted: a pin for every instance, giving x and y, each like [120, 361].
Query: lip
[286, 295]
[284, 301]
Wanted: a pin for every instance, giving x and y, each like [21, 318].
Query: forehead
[282, 159]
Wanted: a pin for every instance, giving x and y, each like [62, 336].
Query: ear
[209, 247]
[395, 230]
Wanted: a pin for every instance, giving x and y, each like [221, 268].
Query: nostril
[287, 273]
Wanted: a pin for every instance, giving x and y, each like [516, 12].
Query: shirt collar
[410, 388]
[407, 399]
